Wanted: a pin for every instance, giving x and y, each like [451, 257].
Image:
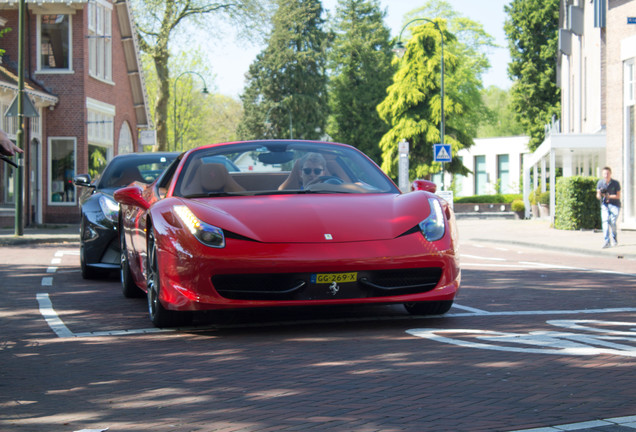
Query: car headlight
[433, 227]
[109, 207]
[207, 234]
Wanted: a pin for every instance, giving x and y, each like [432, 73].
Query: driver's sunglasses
[317, 171]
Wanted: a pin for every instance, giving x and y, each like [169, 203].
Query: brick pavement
[306, 371]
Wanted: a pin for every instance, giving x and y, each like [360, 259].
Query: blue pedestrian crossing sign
[441, 152]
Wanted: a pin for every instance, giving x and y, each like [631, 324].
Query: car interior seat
[214, 177]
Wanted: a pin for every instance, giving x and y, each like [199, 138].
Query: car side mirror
[131, 196]
[424, 185]
[82, 180]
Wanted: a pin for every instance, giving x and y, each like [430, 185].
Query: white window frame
[49, 179]
[68, 70]
[100, 51]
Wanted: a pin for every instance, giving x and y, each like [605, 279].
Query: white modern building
[495, 165]
[597, 77]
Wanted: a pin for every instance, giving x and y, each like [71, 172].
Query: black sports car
[99, 240]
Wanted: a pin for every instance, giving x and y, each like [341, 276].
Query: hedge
[488, 199]
[576, 204]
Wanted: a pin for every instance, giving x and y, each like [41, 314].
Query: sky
[230, 60]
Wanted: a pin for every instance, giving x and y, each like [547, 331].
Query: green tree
[361, 70]
[532, 31]
[157, 22]
[413, 105]
[188, 105]
[223, 115]
[499, 118]
[286, 91]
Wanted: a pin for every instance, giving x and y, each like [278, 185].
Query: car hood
[315, 218]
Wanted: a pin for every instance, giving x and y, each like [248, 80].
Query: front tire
[88, 273]
[429, 308]
[160, 316]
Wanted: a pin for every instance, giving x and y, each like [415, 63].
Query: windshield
[279, 167]
[144, 168]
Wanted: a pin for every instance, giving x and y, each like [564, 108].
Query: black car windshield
[125, 169]
[279, 167]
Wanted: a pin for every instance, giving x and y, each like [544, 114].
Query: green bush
[544, 198]
[517, 206]
[488, 199]
[576, 204]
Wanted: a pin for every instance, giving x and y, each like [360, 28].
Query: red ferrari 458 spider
[283, 223]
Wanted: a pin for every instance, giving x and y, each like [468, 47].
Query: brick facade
[69, 117]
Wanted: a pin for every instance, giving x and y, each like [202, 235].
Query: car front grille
[298, 286]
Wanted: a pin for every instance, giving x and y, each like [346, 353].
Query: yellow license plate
[325, 278]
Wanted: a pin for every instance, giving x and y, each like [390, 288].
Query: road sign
[441, 152]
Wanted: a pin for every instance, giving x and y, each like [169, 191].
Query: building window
[481, 176]
[101, 117]
[100, 40]
[503, 174]
[8, 184]
[97, 158]
[61, 170]
[55, 47]
[125, 143]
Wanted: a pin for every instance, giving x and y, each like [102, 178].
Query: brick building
[83, 75]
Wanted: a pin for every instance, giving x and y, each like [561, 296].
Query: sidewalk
[537, 233]
[530, 233]
[50, 233]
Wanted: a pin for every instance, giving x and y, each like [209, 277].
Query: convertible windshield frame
[262, 167]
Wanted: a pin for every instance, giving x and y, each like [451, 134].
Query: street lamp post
[400, 49]
[174, 95]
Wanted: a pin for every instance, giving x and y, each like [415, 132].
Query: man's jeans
[609, 215]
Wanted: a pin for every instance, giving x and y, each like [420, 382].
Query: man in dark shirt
[608, 191]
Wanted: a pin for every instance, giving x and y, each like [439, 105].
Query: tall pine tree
[360, 64]
[286, 91]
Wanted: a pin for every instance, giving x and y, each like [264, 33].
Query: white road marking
[480, 257]
[61, 253]
[471, 309]
[51, 269]
[601, 338]
[47, 281]
[56, 261]
[51, 317]
[463, 264]
[629, 421]
[536, 265]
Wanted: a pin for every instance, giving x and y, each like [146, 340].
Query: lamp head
[399, 49]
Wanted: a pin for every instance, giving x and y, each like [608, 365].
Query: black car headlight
[434, 227]
[109, 207]
[207, 234]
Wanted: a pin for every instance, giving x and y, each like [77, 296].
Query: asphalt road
[536, 340]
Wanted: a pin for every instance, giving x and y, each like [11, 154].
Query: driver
[306, 171]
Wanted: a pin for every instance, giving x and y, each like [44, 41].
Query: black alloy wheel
[128, 286]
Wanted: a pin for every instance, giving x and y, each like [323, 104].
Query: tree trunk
[163, 96]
